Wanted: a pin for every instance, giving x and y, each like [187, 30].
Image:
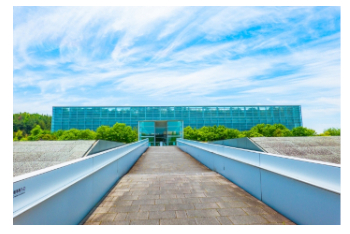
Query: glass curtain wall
[238, 117]
[175, 130]
[160, 132]
[147, 130]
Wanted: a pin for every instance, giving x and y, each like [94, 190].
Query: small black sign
[19, 191]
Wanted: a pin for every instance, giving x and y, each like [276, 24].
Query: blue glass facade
[161, 132]
[238, 117]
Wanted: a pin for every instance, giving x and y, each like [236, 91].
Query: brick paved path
[168, 186]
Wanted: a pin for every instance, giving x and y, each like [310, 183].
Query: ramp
[168, 186]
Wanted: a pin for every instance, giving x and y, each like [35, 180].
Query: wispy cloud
[178, 56]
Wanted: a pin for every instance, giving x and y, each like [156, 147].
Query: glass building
[163, 124]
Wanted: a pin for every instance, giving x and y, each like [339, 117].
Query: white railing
[65, 193]
[305, 191]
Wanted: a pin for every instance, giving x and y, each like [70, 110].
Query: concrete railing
[305, 191]
[65, 193]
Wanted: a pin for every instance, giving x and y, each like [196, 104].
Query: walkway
[168, 186]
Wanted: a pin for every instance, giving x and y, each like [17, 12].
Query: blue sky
[178, 56]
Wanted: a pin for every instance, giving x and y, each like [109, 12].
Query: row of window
[171, 112]
[242, 126]
[238, 127]
[243, 115]
[228, 120]
[242, 118]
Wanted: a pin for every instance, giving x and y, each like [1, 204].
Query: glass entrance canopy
[160, 132]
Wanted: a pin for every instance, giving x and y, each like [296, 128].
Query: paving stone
[169, 201]
[143, 202]
[224, 220]
[184, 191]
[179, 207]
[201, 206]
[139, 192]
[231, 204]
[152, 208]
[181, 214]
[195, 195]
[167, 196]
[109, 198]
[202, 213]
[275, 218]
[216, 194]
[232, 199]
[107, 204]
[252, 203]
[231, 211]
[102, 209]
[191, 200]
[92, 223]
[210, 199]
[116, 222]
[121, 216]
[145, 222]
[124, 209]
[122, 203]
[269, 210]
[162, 214]
[130, 198]
[254, 210]
[137, 215]
[207, 221]
[154, 192]
[178, 222]
[148, 197]
[169, 187]
[248, 219]
[102, 217]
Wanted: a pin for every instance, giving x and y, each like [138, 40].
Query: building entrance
[160, 133]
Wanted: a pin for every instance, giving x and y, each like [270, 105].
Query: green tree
[71, 134]
[87, 134]
[103, 132]
[189, 133]
[331, 132]
[48, 137]
[17, 136]
[35, 133]
[302, 131]
[119, 132]
[26, 122]
[267, 130]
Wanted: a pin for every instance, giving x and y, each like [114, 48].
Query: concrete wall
[102, 145]
[243, 143]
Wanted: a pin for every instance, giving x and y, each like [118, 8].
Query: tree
[35, 133]
[102, 132]
[17, 136]
[119, 132]
[302, 131]
[331, 132]
[26, 122]
[71, 134]
[87, 134]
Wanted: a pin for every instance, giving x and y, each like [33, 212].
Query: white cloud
[176, 55]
